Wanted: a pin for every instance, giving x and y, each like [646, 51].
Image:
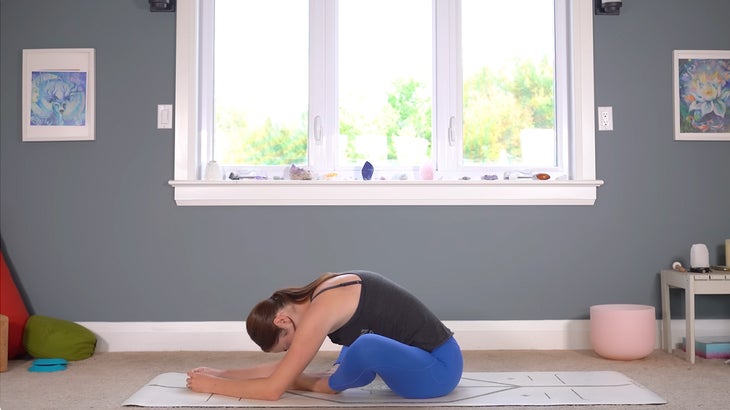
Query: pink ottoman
[623, 332]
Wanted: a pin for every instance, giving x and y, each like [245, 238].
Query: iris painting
[58, 98]
[704, 95]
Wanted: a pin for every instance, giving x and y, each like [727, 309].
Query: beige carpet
[105, 380]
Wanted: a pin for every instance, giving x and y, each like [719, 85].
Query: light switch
[164, 116]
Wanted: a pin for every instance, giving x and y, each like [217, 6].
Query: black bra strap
[339, 285]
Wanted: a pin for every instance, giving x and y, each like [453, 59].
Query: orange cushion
[12, 306]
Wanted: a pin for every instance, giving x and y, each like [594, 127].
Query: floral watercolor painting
[701, 95]
[58, 98]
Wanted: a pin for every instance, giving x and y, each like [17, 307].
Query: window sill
[338, 193]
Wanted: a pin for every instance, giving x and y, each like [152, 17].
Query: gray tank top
[389, 310]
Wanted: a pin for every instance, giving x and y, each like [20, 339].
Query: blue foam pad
[48, 365]
[47, 368]
[50, 362]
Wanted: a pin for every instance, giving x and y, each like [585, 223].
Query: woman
[384, 329]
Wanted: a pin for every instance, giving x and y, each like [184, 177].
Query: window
[401, 83]
[259, 82]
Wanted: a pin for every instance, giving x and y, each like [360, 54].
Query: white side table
[713, 283]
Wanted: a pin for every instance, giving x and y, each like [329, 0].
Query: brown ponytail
[260, 322]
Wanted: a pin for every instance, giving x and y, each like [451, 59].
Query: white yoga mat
[475, 389]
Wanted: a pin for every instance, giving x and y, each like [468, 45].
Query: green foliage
[533, 87]
[497, 106]
[353, 124]
[267, 144]
[410, 109]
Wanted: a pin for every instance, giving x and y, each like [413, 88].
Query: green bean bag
[47, 337]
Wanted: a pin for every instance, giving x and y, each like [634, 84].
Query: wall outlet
[605, 118]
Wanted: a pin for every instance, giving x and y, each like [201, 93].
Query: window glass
[385, 88]
[384, 77]
[508, 55]
[261, 82]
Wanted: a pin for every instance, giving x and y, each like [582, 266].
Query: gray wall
[93, 234]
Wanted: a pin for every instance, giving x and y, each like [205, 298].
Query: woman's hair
[260, 322]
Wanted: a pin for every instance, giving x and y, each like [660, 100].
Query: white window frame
[189, 189]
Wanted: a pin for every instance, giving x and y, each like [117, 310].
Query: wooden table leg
[666, 317]
[689, 318]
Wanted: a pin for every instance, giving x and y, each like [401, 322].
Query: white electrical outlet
[605, 118]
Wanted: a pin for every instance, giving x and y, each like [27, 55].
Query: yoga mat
[475, 389]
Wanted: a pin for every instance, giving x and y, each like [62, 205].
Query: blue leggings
[409, 371]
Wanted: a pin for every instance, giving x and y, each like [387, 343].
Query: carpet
[475, 389]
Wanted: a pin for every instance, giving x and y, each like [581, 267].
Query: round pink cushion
[623, 332]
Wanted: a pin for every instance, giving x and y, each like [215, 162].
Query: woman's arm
[287, 374]
[264, 370]
[248, 388]
[308, 338]
[314, 382]
[327, 313]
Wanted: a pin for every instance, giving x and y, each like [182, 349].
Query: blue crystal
[367, 171]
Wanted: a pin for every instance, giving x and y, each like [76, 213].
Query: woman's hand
[200, 381]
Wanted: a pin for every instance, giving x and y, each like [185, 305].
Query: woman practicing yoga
[384, 330]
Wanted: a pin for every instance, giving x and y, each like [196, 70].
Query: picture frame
[58, 102]
[701, 95]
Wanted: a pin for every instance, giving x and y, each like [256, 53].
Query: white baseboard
[471, 335]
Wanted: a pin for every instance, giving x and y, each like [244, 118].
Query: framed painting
[58, 94]
[702, 95]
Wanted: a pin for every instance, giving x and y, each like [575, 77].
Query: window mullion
[323, 127]
[187, 160]
[562, 89]
[317, 81]
[582, 93]
[207, 83]
[448, 119]
[331, 46]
